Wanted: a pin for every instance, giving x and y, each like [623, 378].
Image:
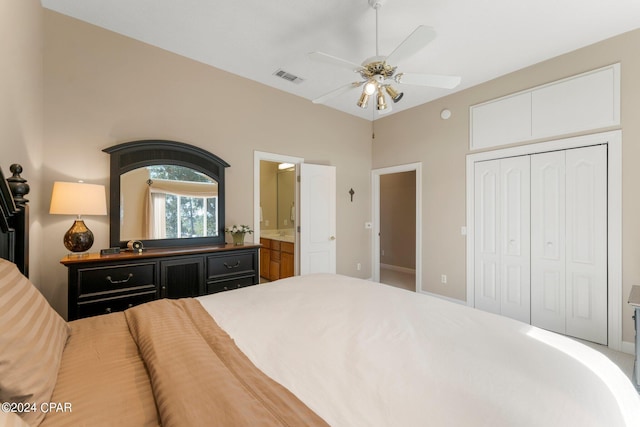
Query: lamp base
[78, 238]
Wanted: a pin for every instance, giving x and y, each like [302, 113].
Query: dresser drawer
[98, 280]
[230, 284]
[111, 305]
[233, 263]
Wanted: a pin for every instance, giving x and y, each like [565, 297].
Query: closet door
[569, 242]
[586, 249]
[502, 250]
[548, 287]
[487, 241]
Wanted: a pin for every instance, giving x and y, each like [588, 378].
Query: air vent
[288, 76]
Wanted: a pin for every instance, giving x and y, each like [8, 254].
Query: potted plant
[237, 232]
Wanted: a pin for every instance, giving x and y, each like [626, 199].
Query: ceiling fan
[379, 72]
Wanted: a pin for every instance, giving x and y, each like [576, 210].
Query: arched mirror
[165, 193]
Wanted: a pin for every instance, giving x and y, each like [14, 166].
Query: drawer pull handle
[116, 282]
[237, 264]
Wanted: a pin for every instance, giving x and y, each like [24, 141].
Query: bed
[310, 350]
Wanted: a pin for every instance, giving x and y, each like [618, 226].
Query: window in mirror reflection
[177, 202]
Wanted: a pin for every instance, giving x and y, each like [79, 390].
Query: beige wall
[21, 109]
[419, 134]
[398, 219]
[101, 89]
[269, 194]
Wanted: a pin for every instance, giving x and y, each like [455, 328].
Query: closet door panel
[487, 256]
[548, 272]
[587, 243]
[515, 237]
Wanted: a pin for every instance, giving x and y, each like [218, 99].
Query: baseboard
[454, 300]
[628, 347]
[397, 268]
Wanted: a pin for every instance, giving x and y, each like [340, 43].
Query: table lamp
[78, 198]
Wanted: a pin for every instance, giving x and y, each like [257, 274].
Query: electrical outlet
[358, 266]
[443, 278]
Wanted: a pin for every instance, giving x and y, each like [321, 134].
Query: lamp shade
[77, 198]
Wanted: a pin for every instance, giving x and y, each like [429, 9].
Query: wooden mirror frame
[136, 154]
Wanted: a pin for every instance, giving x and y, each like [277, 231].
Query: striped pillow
[32, 337]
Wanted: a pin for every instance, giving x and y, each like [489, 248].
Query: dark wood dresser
[100, 284]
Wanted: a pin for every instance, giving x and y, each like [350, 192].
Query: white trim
[375, 209]
[628, 347]
[613, 139]
[279, 158]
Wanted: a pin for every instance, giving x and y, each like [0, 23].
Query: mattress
[359, 353]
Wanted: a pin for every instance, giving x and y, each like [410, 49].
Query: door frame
[613, 139]
[277, 158]
[375, 208]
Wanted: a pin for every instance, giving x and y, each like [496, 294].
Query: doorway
[276, 198]
[397, 226]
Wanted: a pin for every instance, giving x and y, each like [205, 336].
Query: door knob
[332, 238]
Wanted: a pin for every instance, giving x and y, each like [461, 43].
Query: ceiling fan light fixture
[363, 101]
[393, 94]
[370, 87]
[381, 103]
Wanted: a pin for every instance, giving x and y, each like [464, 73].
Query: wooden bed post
[20, 221]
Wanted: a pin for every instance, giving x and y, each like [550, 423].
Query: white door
[586, 249]
[502, 256]
[317, 219]
[548, 241]
[515, 238]
[487, 226]
[569, 242]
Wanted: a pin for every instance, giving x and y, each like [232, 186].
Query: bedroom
[47, 128]
[50, 130]
[54, 66]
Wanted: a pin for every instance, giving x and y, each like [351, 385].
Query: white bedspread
[363, 354]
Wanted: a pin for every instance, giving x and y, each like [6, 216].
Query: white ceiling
[477, 39]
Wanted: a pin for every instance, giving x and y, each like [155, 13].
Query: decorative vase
[238, 238]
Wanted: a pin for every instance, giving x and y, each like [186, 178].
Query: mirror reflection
[167, 202]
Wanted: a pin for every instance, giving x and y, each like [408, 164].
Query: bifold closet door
[502, 245]
[569, 242]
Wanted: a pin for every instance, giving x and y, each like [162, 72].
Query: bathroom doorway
[276, 214]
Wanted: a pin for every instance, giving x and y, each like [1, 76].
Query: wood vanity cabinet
[104, 284]
[265, 257]
[276, 259]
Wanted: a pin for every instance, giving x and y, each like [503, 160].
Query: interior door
[317, 219]
[569, 242]
[548, 274]
[586, 250]
[502, 252]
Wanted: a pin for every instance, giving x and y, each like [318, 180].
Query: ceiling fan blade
[432, 80]
[420, 37]
[342, 89]
[334, 60]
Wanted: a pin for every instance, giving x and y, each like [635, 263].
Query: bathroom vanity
[277, 258]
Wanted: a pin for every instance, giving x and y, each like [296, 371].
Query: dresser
[634, 301]
[100, 284]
